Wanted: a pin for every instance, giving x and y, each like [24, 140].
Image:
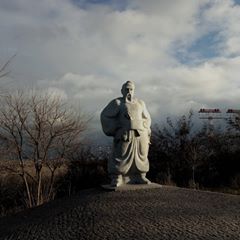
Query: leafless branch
[3, 71]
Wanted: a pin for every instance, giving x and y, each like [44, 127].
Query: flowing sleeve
[109, 117]
[146, 117]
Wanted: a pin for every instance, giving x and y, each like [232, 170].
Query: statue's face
[128, 92]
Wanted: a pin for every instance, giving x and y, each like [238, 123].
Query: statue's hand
[121, 134]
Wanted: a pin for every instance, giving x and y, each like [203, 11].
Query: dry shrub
[83, 174]
[11, 198]
[70, 177]
[235, 182]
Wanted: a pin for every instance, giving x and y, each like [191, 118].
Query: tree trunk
[27, 189]
[193, 177]
[39, 188]
[50, 193]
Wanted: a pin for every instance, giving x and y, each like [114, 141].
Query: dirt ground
[163, 213]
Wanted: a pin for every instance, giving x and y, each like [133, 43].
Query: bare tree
[3, 68]
[42, 129]
[4, 72]
[194, 153]
[180, 145]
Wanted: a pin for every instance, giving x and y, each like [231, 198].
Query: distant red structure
[230, 110]
[209, 110]
[234, 117]
[210, 114]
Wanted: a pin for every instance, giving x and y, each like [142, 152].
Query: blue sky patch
[237, 2]
[114, 4]
[205, 47]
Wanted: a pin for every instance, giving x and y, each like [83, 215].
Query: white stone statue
[128, 121]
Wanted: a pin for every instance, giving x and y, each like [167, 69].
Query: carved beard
[128, 97]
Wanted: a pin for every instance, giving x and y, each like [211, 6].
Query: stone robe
[129, 124]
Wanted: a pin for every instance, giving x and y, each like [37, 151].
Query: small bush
[81, 175]
[11, 198]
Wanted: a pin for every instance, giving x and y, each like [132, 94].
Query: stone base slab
[130, 187]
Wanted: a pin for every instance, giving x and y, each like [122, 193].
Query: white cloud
[87, 54]
[224, 17]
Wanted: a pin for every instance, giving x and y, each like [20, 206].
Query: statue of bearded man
[128, 121]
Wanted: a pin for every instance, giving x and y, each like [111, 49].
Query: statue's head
[128, 90]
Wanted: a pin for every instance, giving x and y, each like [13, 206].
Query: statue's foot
[139, 179]
[117, 181]
[143, 180]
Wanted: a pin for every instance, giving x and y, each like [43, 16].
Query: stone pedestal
[130, 187]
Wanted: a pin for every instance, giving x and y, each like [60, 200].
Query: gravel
[161, 213]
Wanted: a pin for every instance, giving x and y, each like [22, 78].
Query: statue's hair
[128, 83]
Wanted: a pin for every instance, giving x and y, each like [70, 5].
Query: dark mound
[164, 213]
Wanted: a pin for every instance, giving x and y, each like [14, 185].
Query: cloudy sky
[181, 54]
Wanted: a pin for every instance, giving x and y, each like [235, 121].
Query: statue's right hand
[121, 134]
